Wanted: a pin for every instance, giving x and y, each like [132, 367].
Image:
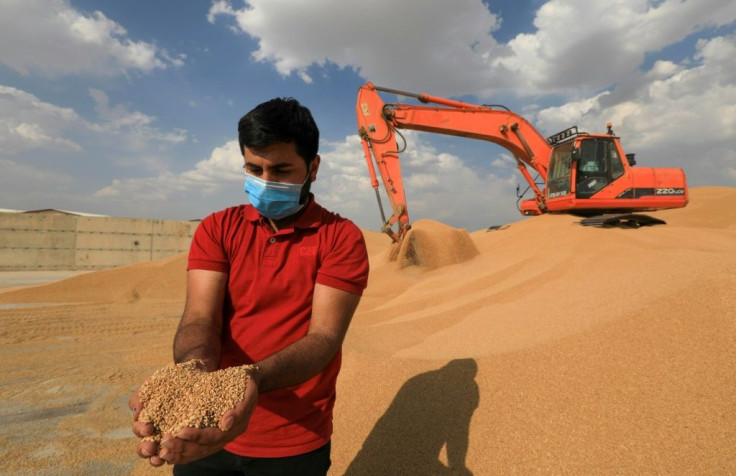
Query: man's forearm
[296, 363]
[332, 310]
[197, 341]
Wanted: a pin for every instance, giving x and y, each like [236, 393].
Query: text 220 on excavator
[582, 173]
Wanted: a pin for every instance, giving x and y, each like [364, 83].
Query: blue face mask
[274, 200]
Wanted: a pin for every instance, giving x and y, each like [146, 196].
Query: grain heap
[182, 395]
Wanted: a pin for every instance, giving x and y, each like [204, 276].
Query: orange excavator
[580, 173]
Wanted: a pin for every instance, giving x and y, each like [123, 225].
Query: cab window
[617, 168]
[558, 177]
[599, 165]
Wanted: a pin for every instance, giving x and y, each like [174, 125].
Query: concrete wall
[30, 241]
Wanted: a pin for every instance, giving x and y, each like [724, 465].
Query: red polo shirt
[268, 305]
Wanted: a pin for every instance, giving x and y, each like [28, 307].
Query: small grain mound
[433, 245]
[182, 395]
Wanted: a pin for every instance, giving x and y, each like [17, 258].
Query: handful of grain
[182, 395]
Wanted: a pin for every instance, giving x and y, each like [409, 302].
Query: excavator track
[621, 220]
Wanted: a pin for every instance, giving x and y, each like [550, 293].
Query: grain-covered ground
[543, 347]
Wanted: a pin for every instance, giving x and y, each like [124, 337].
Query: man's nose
[268, 176]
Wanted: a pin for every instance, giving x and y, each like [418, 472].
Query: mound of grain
[432, 245]
[182, 395]
[160, 279]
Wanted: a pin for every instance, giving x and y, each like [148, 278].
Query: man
[274, 284]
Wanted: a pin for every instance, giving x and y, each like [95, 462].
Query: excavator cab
[581, 165]
[598, 164]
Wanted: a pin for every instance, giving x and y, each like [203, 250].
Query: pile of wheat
[182, 395]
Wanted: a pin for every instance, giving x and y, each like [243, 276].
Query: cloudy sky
[130, 107]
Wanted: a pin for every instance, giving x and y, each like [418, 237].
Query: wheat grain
[182, 395]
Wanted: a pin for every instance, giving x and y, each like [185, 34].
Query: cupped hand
[191, 444]
[145, 449]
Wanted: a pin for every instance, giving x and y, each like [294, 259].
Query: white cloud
[34, 135]
[134, 124]
[438, 185]
[672, 116]
[401, 44]
[48, 153]
[220, 7]
[53, 38]
[27, 123]
[343, 183]
[504, 160]
[586, 58]
[561, 117]
[447, 48]
[665, 115]
[46, 184]
[581, 46]
[223, 168]
[442, 187]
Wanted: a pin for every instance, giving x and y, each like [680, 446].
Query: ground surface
[543, 347]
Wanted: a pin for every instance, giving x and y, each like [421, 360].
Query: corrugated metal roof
[63, 212]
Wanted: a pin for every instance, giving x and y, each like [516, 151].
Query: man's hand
[145, 449]
[190, 444]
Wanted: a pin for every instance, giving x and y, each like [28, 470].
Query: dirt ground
[544, 347]
[15, 279]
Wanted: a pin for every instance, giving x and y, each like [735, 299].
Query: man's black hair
[280, 120]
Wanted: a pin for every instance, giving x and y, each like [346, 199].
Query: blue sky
[129, 107]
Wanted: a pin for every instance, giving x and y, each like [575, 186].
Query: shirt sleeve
[207, 250]
[345, 266]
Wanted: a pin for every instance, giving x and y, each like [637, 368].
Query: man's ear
[313, 168]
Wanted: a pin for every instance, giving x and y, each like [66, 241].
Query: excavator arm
[379, 124]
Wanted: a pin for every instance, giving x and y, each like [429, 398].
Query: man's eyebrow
[279, 164]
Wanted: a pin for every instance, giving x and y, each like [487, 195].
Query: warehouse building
[52, 239]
